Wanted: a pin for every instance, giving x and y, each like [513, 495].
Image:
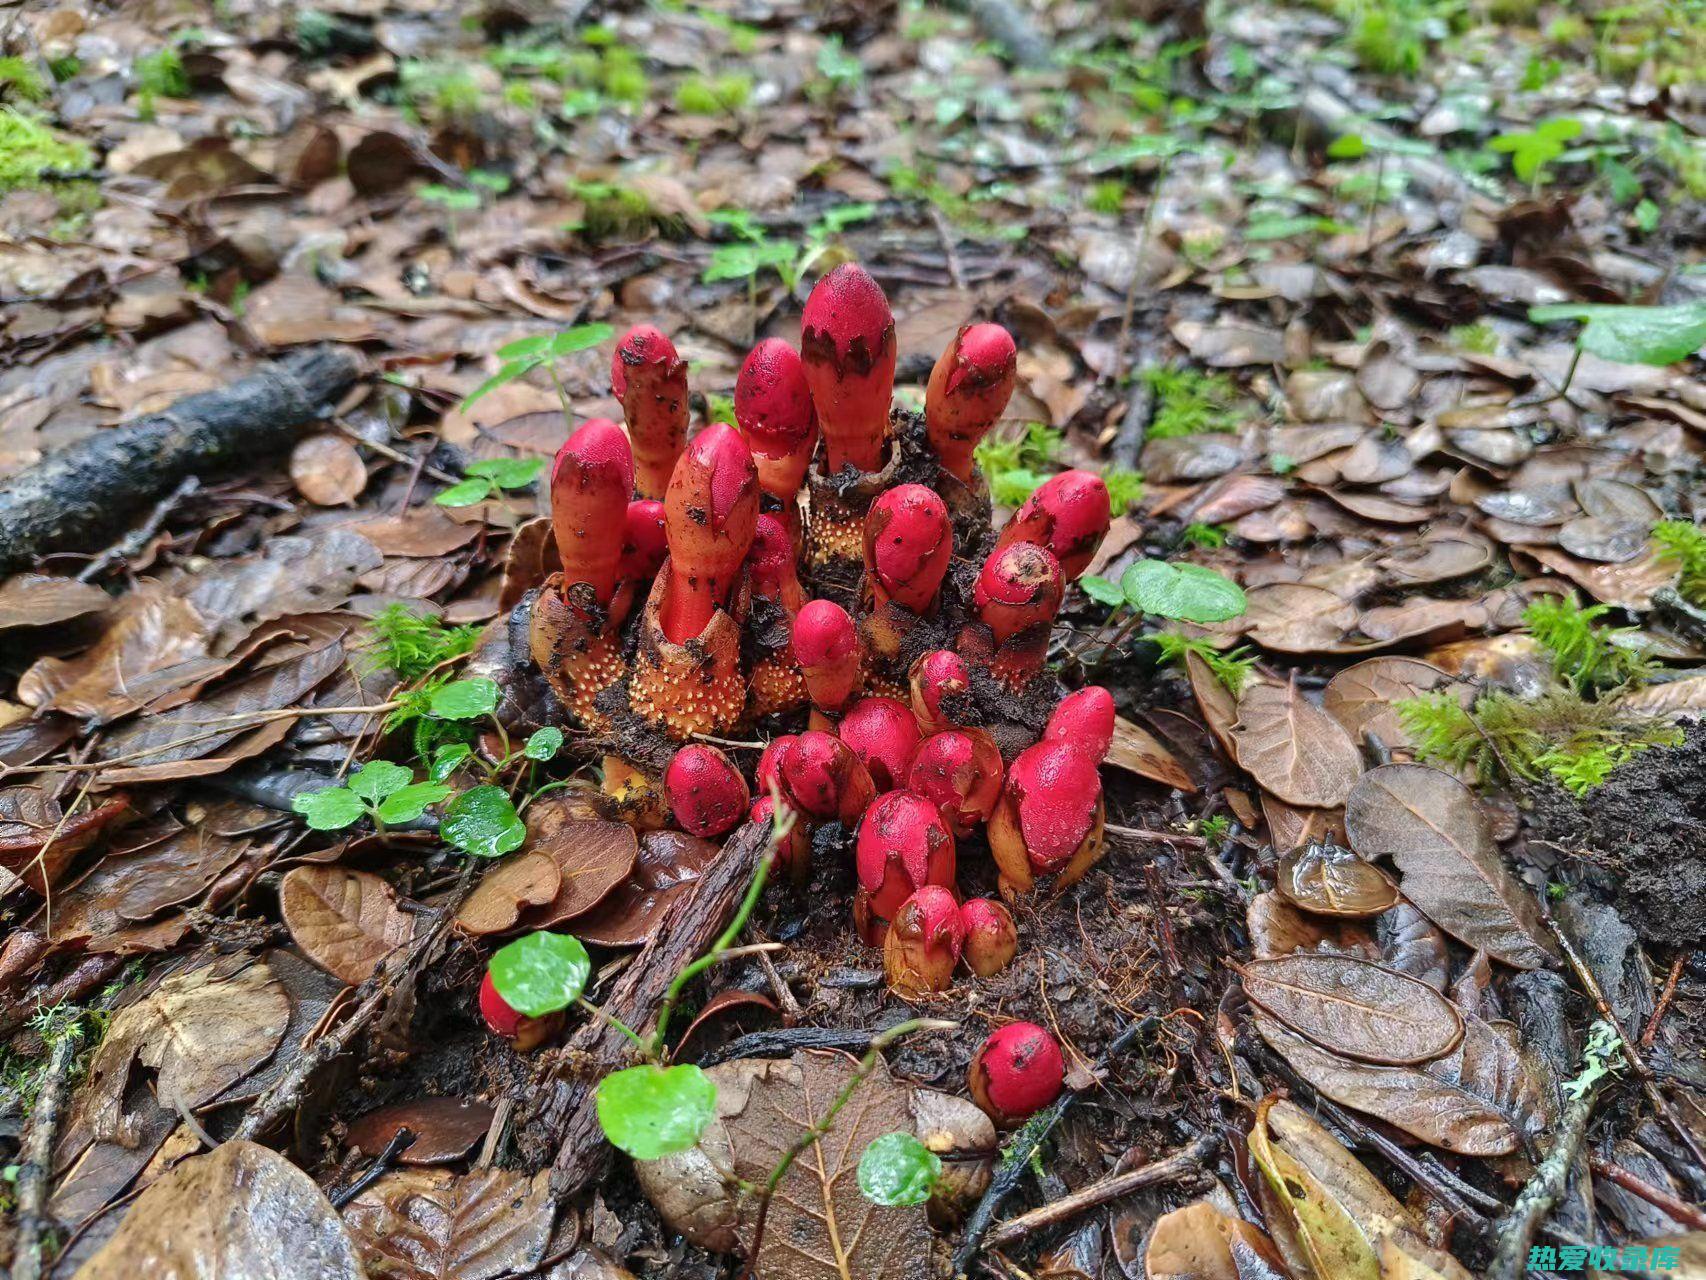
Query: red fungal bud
[883, 733]
[706, 792]
[651, 382]
[1069, 515]
[991, 938]
[909, 540]
[848, 348]
[969, 387]
[1020, 587]
[773, 405]
[709, 512]
[590, 482]
[794, 850]
[501, 1020]
[827, 649]
[1085, 721]
[902, 847]
[822, 778]
[1049, 819]
[939, 674]
[775, 574]
[1017, 1072]
[768, 774]
[958, 771]
[924, 943]
[645, 544]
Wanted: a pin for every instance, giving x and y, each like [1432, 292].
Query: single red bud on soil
[645, 544]
[992, 940]
[1017, 1072]
[768, 775]
[938, 674]
[909, 540]
[1049, 819]
[1069, 515]
[1020, 587]
[706, 792]
[1084, 720]
[650, 380]
[969, 387]
[775, 572]
[590, 482]
[823, 779]
[501, 1020]
[883, 733]
[903, 845]
[924, 942]
[958, 771]
[773, 405]
[848, 347]
[794, 850]
[827, 648]
[709, 512]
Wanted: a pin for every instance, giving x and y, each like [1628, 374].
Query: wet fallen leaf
[1290, 825]
[1330, 880]
[445, 1129]
[1291, 618]
[327, 470]
[1361, 696]
[1293, 748]
[1219, 708]
[669, 864]
[38, 600]
[1404, 1257]
[593, 857]
[526, 880]
[1434, 829]
[1354, 1008]
[38, 843]
[241, 1212]
[1199, 1242]
[1138, 751]
[347, 922]
[1277, 928]
[431, 1224]
[1411, 943]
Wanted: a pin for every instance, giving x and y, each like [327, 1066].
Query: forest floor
[1393, 965]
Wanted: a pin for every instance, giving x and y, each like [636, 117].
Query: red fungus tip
[1020, 585]
[1018, 1071]
[883, 733]
[909, 539]
[968, 390]
[597, 443]
[643, 344]
[644, 543]
[774, 574]
[987, 353]
[773, 402]
[1068, 514]
[1057, 788]
[903, 845]
[823, 633]
[1084, 720]
[924, 942]
[590, 482]
[705, 791]
[939, 674]
[821, 777]
[959, 771]
[992, 940]
[847, 345]
[848, 308]
[732, 475]
[710, 511]
[500, 1019]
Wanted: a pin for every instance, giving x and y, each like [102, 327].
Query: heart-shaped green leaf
[412, 801]
[544, 744]
[1634, 335]
[329, 809]
[379, 778]
[541, 973]
[651, 1111]
[898, 1169]
[1186, 592]
[447, 758]
[1102, 590]
[508, 473]
[467, 493]
[483, 823]
[465, 699]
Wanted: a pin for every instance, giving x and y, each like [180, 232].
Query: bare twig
[400, 1142]
[1691, 1216]
[1665, 997]
[133, 542]
[1181, 1164]
[1145, 836]
[36, 1166]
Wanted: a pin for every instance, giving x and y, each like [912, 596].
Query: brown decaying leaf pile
[1357, 989]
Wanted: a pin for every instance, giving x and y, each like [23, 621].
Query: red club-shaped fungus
[937, 675]
[1049, 819]
[1017, 1072]
[883, 733]
[903, 845]
[650, 380]
[924, 942]
[501, 1020]
[969, 388]
[775, 573]
[821, 777]
[710, 512]
[706, 793]
[794, 850]
[645, 542]
[1084, 720]
[590, 483]
[958, 771]
[773, 405]
[847, 344]
[1069, 515]
[992, 939]
[909, 540]
[827, 648]
[1017, 596]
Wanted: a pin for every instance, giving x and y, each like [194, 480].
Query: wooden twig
[1691, 1216]
[1143, 835]
[35, 1169]
[1181, 1164]
[133, 542]
[1665, 997]
[403, 1139]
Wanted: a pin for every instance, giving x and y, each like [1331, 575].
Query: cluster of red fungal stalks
[824, 575]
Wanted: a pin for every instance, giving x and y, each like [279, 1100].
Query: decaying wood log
[77, 498]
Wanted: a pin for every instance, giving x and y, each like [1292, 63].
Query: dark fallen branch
[785, 1042]
[77, 498]
[35, 1166]
[597, 1048]
[1182, 1164]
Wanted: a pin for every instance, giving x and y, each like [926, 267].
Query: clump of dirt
[1648, 824]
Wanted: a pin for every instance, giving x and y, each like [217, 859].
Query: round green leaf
[651, 1111]
[465, 699]
[544, 744]
[483, 823]
[466, 493]
[1187, 592]
[541, 973]
[508, 473]
[412, 801]
[379, 778]
[1634, 335]
[1101, 590]
[447, 758]
[329, 809]
[898, 1169]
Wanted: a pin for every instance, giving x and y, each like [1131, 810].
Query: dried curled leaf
[430, 1224]
[1330, 880]
[347, 922]
[495, 906]
[593, 857]
[1293, 748]
[1355, 1008]
[1199, 1242]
